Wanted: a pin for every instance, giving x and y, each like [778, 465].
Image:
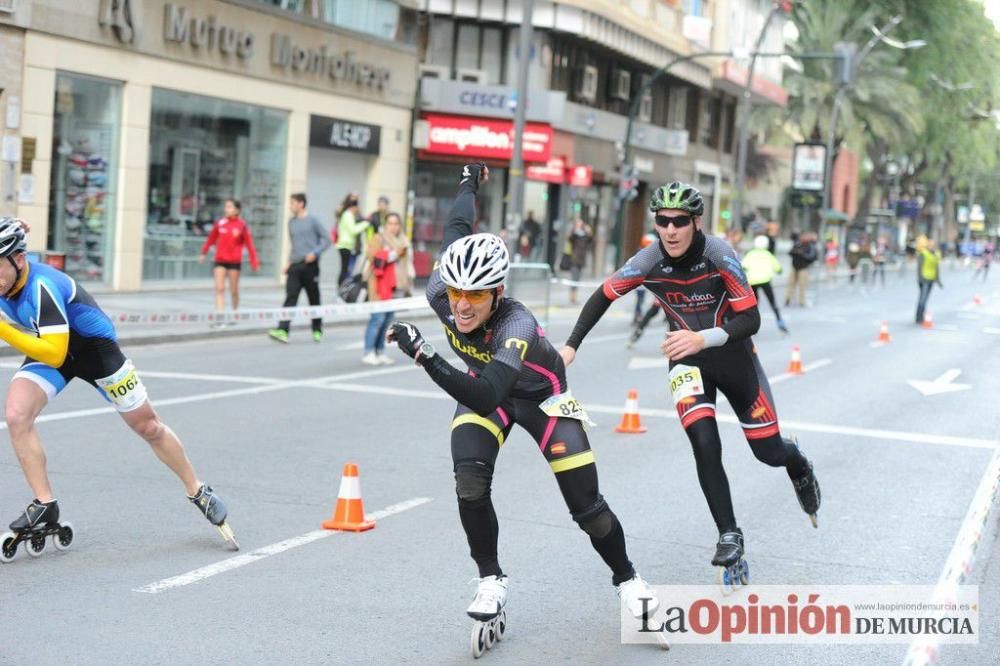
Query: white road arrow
[942, 384]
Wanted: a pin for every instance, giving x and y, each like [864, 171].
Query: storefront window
[435, 188]
[84, 163]
[202, 151]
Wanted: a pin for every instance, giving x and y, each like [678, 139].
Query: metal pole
[735, 218]
[832, 136]
[515, 204]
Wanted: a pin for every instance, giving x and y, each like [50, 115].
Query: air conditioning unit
[621, 85]
[472, 76]
[586, 84]
[435, 72]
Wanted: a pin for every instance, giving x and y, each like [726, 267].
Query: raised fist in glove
[406, 336]
[476, 173]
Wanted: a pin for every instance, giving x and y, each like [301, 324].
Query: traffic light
[628, 188]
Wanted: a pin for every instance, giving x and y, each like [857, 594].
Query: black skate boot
[38, 521]
[807, 490]
[634, 337]
[214, 509]
[733, 569]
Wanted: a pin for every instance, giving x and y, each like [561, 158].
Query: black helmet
[677, 195]
[12, 237]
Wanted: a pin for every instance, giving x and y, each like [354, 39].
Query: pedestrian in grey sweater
[309, 240]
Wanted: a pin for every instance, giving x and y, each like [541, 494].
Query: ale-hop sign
[341, 134]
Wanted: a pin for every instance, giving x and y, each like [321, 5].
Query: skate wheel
[501, 626]
[8, 547]
[64, 537]
[744, 572]
[478, 639]
[812, 519]
[490, 634]
[35, 545]
[724, 580]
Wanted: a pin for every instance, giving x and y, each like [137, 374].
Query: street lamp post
[744, 120]
[880, 35]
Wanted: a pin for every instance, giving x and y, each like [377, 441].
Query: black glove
[406, 336]
[473, 173]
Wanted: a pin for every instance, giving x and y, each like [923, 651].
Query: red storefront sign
[581, 176]
[554, 171]
[485, 138]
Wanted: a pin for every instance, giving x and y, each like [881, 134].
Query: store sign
[809, 167]
[122, 17]
[553, 171]
[463, 97]
[480, 137]
[344, 135]
[182, 26]
[581, 176]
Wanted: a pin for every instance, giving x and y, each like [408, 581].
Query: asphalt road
[271, 427]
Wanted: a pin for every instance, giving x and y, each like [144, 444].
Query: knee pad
[597, 520]
[472, 481]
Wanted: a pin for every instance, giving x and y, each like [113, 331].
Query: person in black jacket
[803, 254]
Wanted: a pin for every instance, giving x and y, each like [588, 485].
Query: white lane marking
[962, 557]
[199, 397]
[646, 362]
[991, 331]
[267, 551]
[212, 378]
[847, 431]
[777, 379]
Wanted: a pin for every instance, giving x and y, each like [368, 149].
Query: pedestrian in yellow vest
[928, 272]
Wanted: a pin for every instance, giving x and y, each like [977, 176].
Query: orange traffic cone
[928, 320]
[795, 365]
[630, 420]
[883, 333]
[977, 300]
[349, 514]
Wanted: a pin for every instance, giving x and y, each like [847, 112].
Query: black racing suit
[512, 369]
[706, 290]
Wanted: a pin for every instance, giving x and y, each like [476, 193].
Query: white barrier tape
[576, 283]
[414, 303]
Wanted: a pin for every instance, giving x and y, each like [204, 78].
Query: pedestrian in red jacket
[229, 235]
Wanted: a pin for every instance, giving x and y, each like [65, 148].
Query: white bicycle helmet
[12, 237]
[479, 261]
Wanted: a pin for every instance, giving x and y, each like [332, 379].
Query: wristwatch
[426, 351]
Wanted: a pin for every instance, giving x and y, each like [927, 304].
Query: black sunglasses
[679, 222]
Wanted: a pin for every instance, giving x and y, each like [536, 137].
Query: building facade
[588, 63]
[145, 116]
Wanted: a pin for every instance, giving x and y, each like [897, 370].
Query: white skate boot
[640, 600]
[487, 609]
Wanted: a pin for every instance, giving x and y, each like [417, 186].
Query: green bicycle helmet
[677, 195]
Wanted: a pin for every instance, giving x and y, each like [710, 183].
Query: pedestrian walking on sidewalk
[350, 231]
[309, 241]
[387, 255]
[804, 254]
[581, 239]
[230, 235]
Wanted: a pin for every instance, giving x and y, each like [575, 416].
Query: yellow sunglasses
[474, 297]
